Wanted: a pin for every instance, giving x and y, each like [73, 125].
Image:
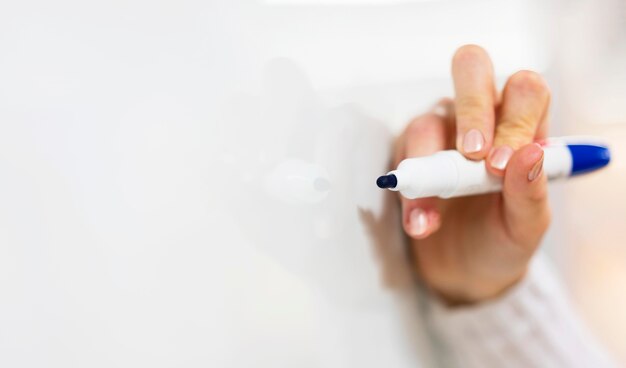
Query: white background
[137, 141]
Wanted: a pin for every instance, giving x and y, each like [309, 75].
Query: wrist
[476, 291]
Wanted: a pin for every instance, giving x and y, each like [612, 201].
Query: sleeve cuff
[491, 317]
[533, 324]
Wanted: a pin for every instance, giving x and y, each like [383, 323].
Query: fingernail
[418, 222]
[500, 157]
[473, 141]
[536, 171]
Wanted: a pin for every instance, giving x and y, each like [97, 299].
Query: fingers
[424, 136]
[475, 96]
[523, 117]
[422, 219]
[526, 210]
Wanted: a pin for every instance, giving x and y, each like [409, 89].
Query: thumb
[526, 210]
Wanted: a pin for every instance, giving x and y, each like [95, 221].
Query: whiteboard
[192, 183]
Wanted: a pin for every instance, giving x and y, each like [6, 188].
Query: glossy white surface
[192, 183]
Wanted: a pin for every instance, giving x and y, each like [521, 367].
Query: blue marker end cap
[387, 181]
[588, 157]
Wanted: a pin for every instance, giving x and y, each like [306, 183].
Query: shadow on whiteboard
[303, 192]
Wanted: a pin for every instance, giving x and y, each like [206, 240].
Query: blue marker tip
[387, 181]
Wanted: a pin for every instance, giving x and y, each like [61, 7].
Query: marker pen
[448, 174]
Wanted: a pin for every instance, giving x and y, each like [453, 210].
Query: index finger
[475, 97]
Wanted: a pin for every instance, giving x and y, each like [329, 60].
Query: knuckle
[539, 198]
[472, 106]
[515, 133]
[522, 123]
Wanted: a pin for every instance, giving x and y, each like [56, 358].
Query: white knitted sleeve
[533, 325]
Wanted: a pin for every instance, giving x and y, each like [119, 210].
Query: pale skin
[471, 249]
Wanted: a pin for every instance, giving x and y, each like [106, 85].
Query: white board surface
[192, 183]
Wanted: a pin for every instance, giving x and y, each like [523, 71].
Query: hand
[471, 249]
